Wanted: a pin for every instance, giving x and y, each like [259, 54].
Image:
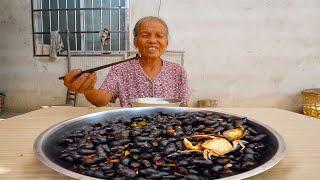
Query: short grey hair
[148, 18]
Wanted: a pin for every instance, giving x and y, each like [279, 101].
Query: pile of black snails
[151, 147]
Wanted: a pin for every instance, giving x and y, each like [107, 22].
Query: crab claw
[234, 134]
[189, 145]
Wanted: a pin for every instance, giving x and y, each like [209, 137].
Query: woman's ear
[134, 42]
[167, 41]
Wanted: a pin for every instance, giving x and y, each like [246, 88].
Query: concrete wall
[244, 53]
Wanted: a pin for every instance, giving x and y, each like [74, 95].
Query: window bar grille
[83, 17]
[68, 40]
[84, 35]
[58, 5]
[110, 27]
[41, 22]
[84, 27]
[75, 25]
[92, 26]
[32, 16]
[101, 24]
[80, 32]
[126, 20]
[119, 8]
[50, 16]
[73, 9]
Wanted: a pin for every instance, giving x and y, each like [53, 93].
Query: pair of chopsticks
[104, 66]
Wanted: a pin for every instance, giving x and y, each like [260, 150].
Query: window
[85, 19]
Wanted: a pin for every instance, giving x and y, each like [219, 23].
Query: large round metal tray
[46, 147]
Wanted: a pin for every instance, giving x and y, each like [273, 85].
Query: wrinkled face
[152, 39]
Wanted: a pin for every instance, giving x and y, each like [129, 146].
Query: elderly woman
[148, 76]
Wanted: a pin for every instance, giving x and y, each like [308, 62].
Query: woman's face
[152, 39]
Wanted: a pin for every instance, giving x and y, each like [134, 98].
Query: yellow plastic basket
[311, 102]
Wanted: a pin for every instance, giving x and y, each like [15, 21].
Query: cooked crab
[217, 146]
[234, 134]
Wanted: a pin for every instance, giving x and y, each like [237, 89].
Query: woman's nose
[152, 39]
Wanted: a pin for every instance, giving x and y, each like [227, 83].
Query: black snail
[152, 147]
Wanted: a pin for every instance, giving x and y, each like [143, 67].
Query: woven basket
[311, 102]
[207, 103]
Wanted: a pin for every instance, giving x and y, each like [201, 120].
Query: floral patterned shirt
[128, 81]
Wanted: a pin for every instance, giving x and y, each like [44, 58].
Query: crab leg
[198, 151]
[236, 143]
[207, 153]
[241, 142]
[205, 136]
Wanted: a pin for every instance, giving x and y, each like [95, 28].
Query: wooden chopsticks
[104, 66]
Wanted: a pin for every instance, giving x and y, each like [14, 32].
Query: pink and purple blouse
[128, 81]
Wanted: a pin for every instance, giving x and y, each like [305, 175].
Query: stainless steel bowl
[46, 147]
[150, 102]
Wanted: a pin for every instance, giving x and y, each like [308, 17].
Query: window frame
[83, 52]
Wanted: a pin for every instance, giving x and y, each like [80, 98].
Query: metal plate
[46, 147]
[151, 102]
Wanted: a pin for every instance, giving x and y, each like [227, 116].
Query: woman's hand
[82, 84]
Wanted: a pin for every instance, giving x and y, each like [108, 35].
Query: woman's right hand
[80, 84]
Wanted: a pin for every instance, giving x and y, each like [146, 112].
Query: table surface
[17, 134]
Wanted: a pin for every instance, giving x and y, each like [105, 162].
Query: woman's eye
[144, 35]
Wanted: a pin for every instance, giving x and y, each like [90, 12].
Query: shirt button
[147, 84]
